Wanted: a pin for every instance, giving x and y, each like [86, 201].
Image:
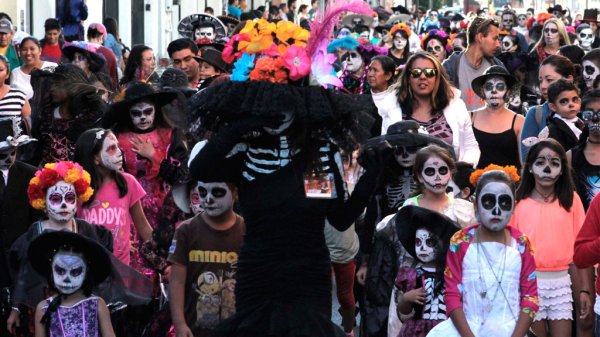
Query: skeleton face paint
[7, 158]
[508, 22]
[586, 38]
[494, 91]
[495, 205]
[508, 45]
[354, 61]
[547, 167]
[405, 155]
[435, 175]
[142, 115]
[111, 155]
[365, 34]
[551, 35]
[204, 33]
[68, 272]
[591, 118]
[522, 20]
[61, 202]
[436, 48]
[195, 201]
[590, 72]
[286, 121]
[399, 42]
[216, 198]
[425, 245]
[452, 187]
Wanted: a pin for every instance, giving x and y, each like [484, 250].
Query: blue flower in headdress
[242, 67]
[345, 43]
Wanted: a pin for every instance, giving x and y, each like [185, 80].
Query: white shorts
[556, 297]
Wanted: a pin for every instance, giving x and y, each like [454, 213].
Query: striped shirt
[12, 103]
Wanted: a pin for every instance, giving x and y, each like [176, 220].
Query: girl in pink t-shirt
[550, 213]
[116, 200]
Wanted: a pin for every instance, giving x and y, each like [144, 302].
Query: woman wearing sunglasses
[554, 36]
[427, 97]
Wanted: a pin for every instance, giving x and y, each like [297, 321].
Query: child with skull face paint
[490, 279]
[73, 265]
[419, 290]
[550, 212]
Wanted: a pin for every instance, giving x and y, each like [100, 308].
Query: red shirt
[51, 53]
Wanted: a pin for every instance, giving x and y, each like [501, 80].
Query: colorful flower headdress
[51, 174]
[438, 34]
[510, 170]
[400, 26]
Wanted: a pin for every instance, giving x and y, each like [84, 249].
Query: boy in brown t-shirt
[203, 258]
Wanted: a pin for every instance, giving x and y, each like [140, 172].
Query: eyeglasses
[588, 114]
[429, 72]
[437, 49]
[550, 30]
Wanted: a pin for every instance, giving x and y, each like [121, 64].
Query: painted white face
[508, 22]
[551, 36]
[7, 158]
[354, 61]
[405, 155]
[216, 198]
[436, 48]
[495, 205]
[425, 246]
[286, 121]
[365, 34]
[61, 202]
[68, 272]
[452, 187]
[508, 45]
[399, 42]
[435, 175]
[522, 20]
[81, 62]
[586, 38]
[195, 201]
[142, 115]
[111, 155]
[547, 167]
[592, 121]
[590, 72]
[204, 33]
[494, 91]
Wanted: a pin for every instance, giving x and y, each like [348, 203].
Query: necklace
[498, 279]
[547, 198]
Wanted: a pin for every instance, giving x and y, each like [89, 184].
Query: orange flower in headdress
[400, 26]
[510, 170]
[51, 174]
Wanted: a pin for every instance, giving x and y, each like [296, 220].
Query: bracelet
[16, 309]
[584, 291]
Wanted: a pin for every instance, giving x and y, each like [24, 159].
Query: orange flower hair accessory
[400, 26]
[510, 170]
[51, 174]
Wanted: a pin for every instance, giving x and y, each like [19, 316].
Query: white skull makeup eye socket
[489, 201]
[57, 199]
[500, 86]
[430, 171]
[425, 245]
[69, 271]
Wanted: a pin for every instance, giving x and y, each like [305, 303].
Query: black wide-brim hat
[493, 71]
[557, 8]
[69, 51]
[400, 10]
[43, 248]
[411, 218]
[381, 28]
[212, 57]
[229, 19]
[590, 15]
[142, 92]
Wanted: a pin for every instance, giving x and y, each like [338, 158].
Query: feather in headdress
[345, 43]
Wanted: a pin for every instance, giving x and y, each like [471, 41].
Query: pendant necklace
[547, 198]
[484, 292]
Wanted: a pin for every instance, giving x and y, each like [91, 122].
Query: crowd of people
[441, 169]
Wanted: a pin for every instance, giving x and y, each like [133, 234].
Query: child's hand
[585, 303]
[182, 330]
[143, 147]
[416, 296]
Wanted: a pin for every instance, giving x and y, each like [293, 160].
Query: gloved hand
[374, 158]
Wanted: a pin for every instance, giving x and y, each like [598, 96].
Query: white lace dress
[491, 311]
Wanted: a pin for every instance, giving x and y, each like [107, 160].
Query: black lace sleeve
[174, 168]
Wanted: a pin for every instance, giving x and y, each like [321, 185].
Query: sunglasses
[457, 49]
[217, 192]
[437, 49]
[417, 72]
[588, 114]
[550, 30]
[139, 113]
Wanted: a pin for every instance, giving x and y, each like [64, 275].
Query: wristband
[584, 291]
[16, 309]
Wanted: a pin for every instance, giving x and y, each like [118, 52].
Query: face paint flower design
[425, 245]
[142, 115]
[435, 175]
[547, 167]
[68, 272]
[111, 155]
[61, 201]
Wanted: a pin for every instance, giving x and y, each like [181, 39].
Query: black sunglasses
[429, 72]
[588, 114]
[550, 30]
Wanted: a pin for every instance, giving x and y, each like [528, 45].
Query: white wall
[124, 22]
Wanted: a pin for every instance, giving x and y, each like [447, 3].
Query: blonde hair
[562, 32]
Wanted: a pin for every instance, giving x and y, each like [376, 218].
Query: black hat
[227, 19]
[380, 29]
[400, 10]
[456, 17]
[557, 8]
[42, 250]
[10, 133]
[493, 71]
[411, 218]
[206, 43]
[186, 25]
[142, 92]
[86, 49]
[590, 15]
[212, 57]
[175, 79]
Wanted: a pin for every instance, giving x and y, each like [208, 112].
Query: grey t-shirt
[466, 74]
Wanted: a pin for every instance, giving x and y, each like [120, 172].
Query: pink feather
[321, 29]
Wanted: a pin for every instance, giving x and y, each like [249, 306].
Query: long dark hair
[134, 63]
[387, 65]
[427, 152]
[442, 90]
[406, 52]
[564, 186]
[111, 27]
[88, 146]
